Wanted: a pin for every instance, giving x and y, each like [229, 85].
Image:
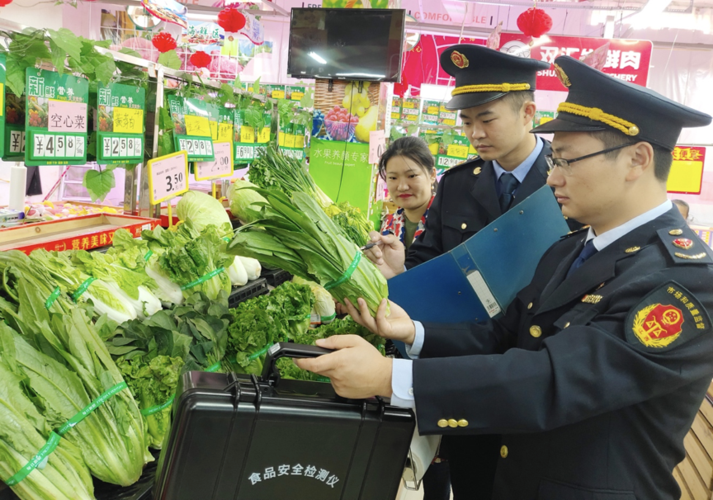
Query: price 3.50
[174, 181]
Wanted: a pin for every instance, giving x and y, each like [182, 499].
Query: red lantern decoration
[534, 22]
[200, 59]
[231, 20]
[162, 41]
[3, 3]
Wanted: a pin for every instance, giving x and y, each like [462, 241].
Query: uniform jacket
[466, 202]
[587, 409]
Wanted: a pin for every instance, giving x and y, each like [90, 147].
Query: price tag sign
[120, 122]
[14, 118]
[55, 118]
[377, 146]
[191, 128]
[222, 166]
[168, 177]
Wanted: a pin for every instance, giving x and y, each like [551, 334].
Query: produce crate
[78, 233]
[249, 291]
[695, 473]
[275, 277]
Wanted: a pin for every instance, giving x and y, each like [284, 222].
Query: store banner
[686, 175]
[345, 111]
[191, 127]
[342, 170]
[120, 115]
[627, 60]
[56, 118]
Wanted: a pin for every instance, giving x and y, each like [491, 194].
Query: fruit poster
[294, 93]
[56, 118]
[346, 112]
[410, 109]
[2, 105]
[191, 128]
[14, 115]
[120, 115]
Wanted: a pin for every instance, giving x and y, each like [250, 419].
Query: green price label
[120, 116]
[14, 135]
[2, 105]
[56, 116]
[192, 128]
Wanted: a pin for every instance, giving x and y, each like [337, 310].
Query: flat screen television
[346, 44]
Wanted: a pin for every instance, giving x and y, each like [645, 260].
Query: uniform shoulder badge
[684, 246]
[575, 232]
[665, 318]
[474, 166]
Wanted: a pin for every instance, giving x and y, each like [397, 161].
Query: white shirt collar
[524, 168]
[605, 239]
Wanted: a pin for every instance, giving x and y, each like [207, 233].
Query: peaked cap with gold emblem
[483, 75]
[598, 102]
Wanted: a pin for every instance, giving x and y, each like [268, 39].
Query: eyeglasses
[566, 165]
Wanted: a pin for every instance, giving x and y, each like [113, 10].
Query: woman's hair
[410, 147]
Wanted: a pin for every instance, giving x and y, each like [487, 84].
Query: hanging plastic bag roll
[18, 180]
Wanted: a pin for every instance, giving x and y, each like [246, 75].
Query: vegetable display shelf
[249, 291]
[275, 277]
[78, 233]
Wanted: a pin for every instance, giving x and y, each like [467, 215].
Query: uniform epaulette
[684, 246]
[574, 233]
[470, 163]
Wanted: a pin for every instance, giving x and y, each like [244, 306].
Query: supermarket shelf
[275, 277]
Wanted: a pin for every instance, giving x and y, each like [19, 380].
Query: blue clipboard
[479, 278]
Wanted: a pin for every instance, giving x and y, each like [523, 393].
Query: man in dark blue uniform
[494, 93]
[595, 373]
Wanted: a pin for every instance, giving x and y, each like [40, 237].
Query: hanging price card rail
[56, 118]
[213, 117]
[120, 117]
[2, 105]
[225, 125]
[250, 140]
[410, 110]
[446, 117]
[455, 153]
[430, 111]
[168, 178]
[191, 132]
[14, 116]
[294, 93]
[222, 166]
[275, 91]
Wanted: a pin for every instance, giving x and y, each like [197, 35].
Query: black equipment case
[240, 437]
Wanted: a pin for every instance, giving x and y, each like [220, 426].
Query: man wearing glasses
[596, 371]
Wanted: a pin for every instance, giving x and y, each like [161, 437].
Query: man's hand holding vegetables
[357, 369]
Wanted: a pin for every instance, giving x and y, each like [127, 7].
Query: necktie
[588, 250]
[508, 184]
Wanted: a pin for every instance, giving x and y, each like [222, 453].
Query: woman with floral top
[410, 175]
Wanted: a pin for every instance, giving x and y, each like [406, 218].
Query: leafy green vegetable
[257, 323]
[245, 203]
[170, 59]
[297, 236]
[203, 210]
[23, 431]
[99, 183]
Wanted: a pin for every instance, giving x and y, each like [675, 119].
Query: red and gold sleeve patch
[667, 317]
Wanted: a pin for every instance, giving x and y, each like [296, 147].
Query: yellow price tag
[449, 122]
[458, 151]
[278, 94]
[297, 96]
[412, 118]
[128, 121]
[214, 130]
[225, 132]
[395, 116]
[289, 141]
[198, 126]
[247, 134]
[432, 110]
[409, 105]
[434, 148]
[2, 97]
[264, 135]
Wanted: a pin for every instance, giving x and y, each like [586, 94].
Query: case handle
[286, 349]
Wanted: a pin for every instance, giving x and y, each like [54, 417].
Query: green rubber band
[37, 460]
[323, 379]
[148, 255]
[259, 353]
[203, 279]
[347, 274]
[156, 409]
[226, 239]
[213, 368]
[329, 318]
[82, 288]
[91, 407]
[52, 298]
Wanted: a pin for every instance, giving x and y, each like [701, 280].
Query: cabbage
[324, 303]
[237, 273]
[242, 201]
[201, 209]
[168, 292]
